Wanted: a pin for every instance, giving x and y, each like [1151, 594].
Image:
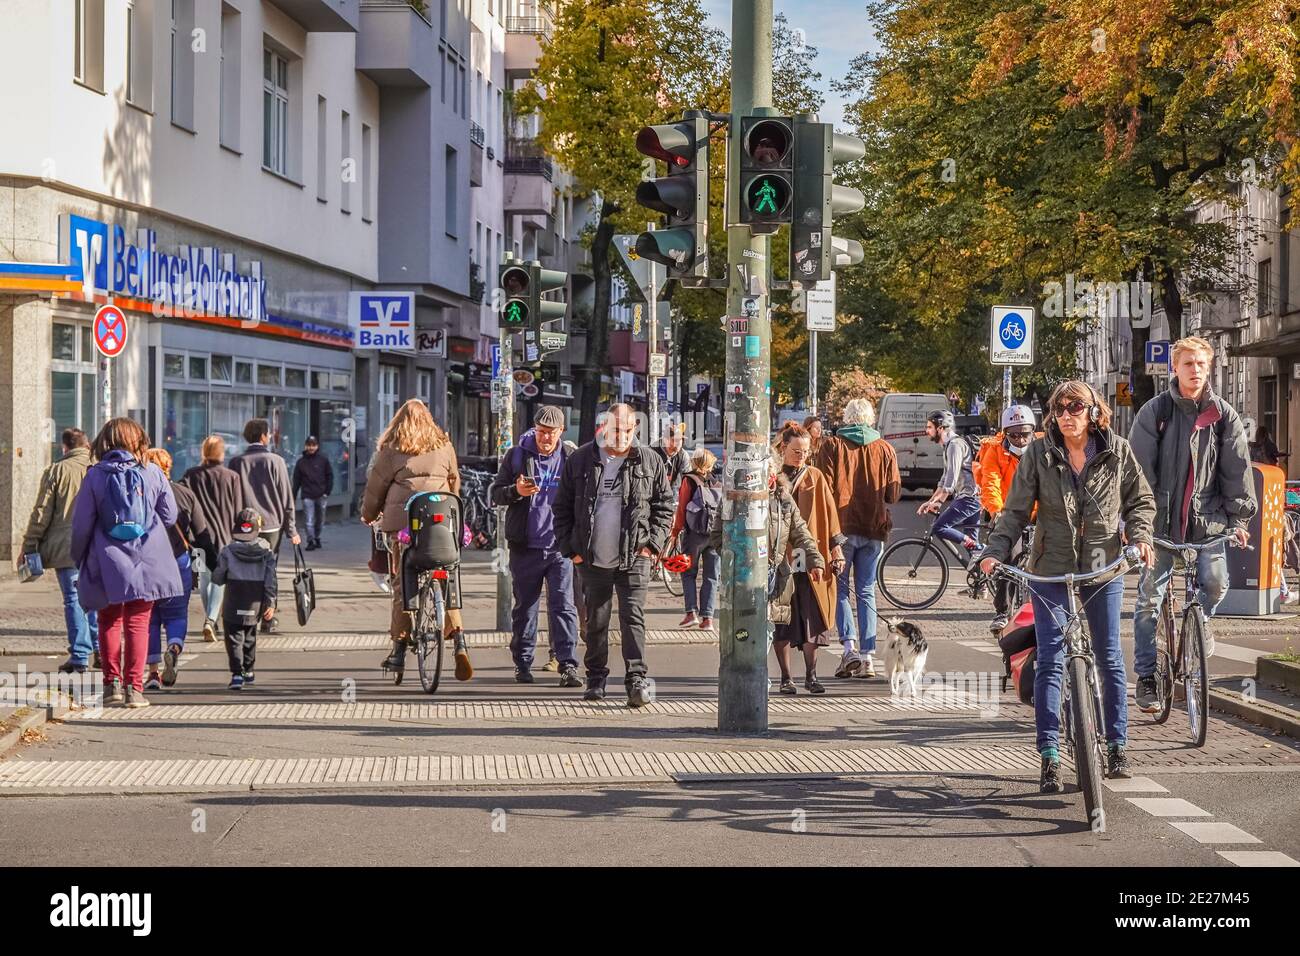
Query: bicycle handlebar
[1128, 555]
[1202, 546]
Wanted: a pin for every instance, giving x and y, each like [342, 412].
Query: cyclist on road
[1083, 479]
[994, 469]
[1193, 451]
[961, 515]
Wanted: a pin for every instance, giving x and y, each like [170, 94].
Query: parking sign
[1157, 357]
[1011, 340]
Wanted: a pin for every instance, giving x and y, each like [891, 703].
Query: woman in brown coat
[812, 615]
[414, 455]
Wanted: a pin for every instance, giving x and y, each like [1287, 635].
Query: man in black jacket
[613, 513]
[314, 477]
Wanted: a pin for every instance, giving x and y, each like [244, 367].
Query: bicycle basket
[434, 521]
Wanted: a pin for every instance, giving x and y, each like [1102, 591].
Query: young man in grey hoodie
[246, 568]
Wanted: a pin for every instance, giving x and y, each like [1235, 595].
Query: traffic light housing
[682, 197]
[522, 285]
[545, 280]
[817, 200]
[767, 150]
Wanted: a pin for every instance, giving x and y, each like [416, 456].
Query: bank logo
[383, 320]
[86, 249]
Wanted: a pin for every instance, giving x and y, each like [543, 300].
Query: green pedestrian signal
[516, 314]
[766, 172]
[763, 196]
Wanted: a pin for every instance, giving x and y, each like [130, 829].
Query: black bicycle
[913, 572]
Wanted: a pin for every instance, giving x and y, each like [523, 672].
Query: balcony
[396, 46]
[477, 136]
[523, 38]
[527, 186]
[324, 16]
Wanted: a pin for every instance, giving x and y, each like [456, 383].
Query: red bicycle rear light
[438, 519]
[440, 575]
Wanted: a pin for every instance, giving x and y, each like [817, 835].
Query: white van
[901, 422]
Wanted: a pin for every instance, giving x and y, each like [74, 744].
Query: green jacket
[1076, 531]
[49, 529]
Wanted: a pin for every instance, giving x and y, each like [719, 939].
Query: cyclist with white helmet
[995, 467]
[960, 517]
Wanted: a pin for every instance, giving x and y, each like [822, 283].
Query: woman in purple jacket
[123, 554]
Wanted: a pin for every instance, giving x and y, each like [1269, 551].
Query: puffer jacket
[648, 504]
[994, 468]
[49, 529]
[1075, 532]
[787, 536]
[1203, 483]
[395, 476]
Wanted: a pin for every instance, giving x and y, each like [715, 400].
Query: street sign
[820, 306]
[658, 364]
[382, 320]
[1157, 357]
[1123, 394]
[431, 342]
[638, 266]
[553, 341]
[663, 389]
[110, 331]
[1011, 335]
[496, 360]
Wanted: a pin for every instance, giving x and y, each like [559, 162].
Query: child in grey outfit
[247, 569]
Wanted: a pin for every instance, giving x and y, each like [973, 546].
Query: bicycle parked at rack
[1180, 651]
[1082, 723]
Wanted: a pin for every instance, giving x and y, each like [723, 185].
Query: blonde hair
[413, 430]
[214, 448]
[1068, 391]
[160, 457]
[702, 461]
[1193, 343]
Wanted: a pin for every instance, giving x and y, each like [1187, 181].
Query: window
[182, 85]
[347, 164]
[449, 202]
[243, 373]
[173, 365]
[295, 378]
[221, 368]
[320, 380]
[341, 381]
[464, 94]
[65, 343]
[1263, 287]
[424, 387]
[268, 375]
[185, 425]
[442, 70]
[275, 112]
[367, 174]
[387, 394]
[230, 60]
[72, 382]
[322, 170]
[88, 43]
[198, 368]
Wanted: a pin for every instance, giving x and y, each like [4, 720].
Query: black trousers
[599, 587]
[241, 645]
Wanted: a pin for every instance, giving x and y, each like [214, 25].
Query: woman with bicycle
[1084, 481]
[413, 456]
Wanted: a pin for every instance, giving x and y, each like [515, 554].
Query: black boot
[396, 659]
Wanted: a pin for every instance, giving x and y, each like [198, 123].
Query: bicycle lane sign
[1011, 335]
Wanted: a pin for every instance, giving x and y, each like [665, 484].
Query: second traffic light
[682, 196]
[522, 285]
[818, 199]
[766, 172]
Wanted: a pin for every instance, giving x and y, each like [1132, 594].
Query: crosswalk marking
[1168, 807]
[1257, 858]
[1215, 833]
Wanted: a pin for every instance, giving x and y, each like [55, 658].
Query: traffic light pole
[505, 439]
[742, 668]
[652, 384]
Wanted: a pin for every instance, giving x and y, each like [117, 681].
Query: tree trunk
[597, 355]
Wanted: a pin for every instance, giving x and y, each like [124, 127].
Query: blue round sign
[1012, 330]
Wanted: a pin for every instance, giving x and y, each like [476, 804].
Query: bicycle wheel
[673, 582]
[1083, 727]
[1196, 681]
[428, 639]
[1165, 670]
[912, 574]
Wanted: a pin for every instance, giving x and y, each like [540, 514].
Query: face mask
[1016, 450]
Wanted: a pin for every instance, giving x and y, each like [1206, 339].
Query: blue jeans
[83, 625]
[701, 555]
[313, 511]
[959, 519]
[530, 569]
[171, 614]
[1212, 571]
[861, 560]
[1101, 607]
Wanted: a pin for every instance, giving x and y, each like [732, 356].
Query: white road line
[1168, 807]
[1215, 832]
[1257, 858]
[1134, 785]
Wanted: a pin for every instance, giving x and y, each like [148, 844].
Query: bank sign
[382, 320]
[195, 280]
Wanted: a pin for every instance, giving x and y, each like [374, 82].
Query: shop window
[199, 368]
[327, 424]
[221, 369]
[65, 342]
[295, 378]
[387, 394]
[288, 421]
[341, 381]
[185, 425]
[243, 373]
[268, 375]
[87, 344]
[230, 410]
[173, 365]
[320, 380]
[424, 388]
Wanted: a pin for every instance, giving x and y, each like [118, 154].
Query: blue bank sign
[196, 279]
[383, 320]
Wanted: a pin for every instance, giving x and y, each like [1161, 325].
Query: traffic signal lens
[767, 195]
[768, 143]
[516, 313]
[515, 281]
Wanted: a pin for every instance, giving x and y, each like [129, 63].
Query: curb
[15, 721]
[1281, 719]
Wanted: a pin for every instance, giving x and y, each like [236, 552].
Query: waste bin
[1255, 577]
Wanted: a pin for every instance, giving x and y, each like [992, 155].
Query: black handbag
[304, 586]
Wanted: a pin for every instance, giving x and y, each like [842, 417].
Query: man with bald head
[613, 512]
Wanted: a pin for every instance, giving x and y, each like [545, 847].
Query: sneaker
[787, 687]
[1117, 767]
[639, 692]
[998, 624]
[569, 677]
[1146, 695]
[813, 685]
[464, 669]
[690, 620]
[236, 682]
[71, 667]
[135, 699]
[706, 624]
[249, 678]
[594, 692]
[311, 545]
[1209, 641]
[209, 631]
[153, 682]
[551, 663]
[113, 692]
[850, 663]
[523, 675]
[868, 666]
[169, 665]
[318, 544]
[1049, 779]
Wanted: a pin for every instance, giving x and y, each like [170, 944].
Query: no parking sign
[110, 331]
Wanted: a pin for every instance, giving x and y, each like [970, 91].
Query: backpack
[702, 506]
[1165, 411]
[123, 509]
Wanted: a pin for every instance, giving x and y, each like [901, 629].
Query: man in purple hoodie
[525, 485]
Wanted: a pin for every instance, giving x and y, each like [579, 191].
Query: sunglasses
[1024, 434]
[1074, 408]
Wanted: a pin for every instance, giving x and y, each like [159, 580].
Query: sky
[839, 29]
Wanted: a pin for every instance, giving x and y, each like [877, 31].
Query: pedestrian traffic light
[766, 172]
[522, 285]
[682, 196]
[544, 280]
[817, 199]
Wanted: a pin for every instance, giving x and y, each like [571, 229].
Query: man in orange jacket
[999, 457]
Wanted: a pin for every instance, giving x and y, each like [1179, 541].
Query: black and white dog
[907, 653]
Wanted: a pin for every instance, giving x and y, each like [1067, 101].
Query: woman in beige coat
[414, 455]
